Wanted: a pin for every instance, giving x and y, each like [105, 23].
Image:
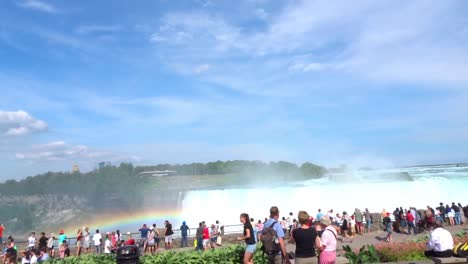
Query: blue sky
[380, 83]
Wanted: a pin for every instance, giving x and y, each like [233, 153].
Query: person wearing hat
[327, 246]
[130, 241]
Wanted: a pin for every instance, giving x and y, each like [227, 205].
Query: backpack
[461, 250]
[269, 238]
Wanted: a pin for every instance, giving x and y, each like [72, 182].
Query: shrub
[363, 256]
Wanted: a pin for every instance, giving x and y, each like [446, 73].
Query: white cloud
[60, 150]
[38, 5]
[261, 13]
[19, 123]
[199, 69]
[369, 40]
[90, 29]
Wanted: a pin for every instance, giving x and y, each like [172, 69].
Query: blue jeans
[200, 243]
[98, 249]
[183, 241]
[457, 218]
[411, 226]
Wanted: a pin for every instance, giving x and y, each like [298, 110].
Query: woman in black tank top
[306, 239]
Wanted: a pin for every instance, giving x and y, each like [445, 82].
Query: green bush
[225, 255]
[363, 257]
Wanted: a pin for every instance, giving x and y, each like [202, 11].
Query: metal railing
[71, 241]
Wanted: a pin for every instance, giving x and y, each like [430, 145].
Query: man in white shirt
[32, 241]
[97, 241]
[440, 243]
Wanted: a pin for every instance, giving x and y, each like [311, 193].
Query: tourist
[50, 245]
[327, 246]
[220, 229]
[62, 237]
[168, 235]
[442, 212]
[26, 257]
[290, 222]
[206, 237]
[184, 232]
[199, 236]
[63, 249]
[259, 226]
[255, 230]
[352, 226]
[284, 225]
[43, 242]
[274, 224]
[410, 221]
[319, 215]
[213, 235]
[450, 214]
[248, 237]
[130, 241]
[306, 240]
[151, 241]
[97, 240]
[330, 214]
[32, 241]
[344, 226]
[387, 222]
[156, 237]
[462, 214]
[440, 243]
[33, 257]
[383, 213]
[79, 242]
[456, 210]
[107, 245]
[86, 240]
[10, 253]
[367, 217]
[2, 228]
[118, 236]
[143, 236]
[43, 256]
[359, 218]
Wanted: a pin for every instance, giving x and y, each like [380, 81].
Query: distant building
[158, 173]
[75, 169]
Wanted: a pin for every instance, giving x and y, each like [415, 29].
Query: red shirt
[1, 231]
[409, 217]
[130, 242]
[206, 233]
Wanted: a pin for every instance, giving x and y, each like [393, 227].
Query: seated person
[130, 241]
[440, 243]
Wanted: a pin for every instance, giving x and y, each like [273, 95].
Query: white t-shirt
[33, 259]
[440, 240]
[86, 236]
[31, 241]
[107, 246]
[97, 239]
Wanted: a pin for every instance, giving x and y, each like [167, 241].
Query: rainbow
[125, 221]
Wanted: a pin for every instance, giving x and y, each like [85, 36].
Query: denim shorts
[251, 248]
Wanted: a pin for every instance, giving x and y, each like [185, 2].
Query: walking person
[410, 220]
[184, 232]
[387, 222]
[248, 237]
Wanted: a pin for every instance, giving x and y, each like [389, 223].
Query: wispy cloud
[38, 6]
[90, 29]
[18, 123]
[60, 150]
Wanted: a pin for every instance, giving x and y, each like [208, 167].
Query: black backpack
[269, 238]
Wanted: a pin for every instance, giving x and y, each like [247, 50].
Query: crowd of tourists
[315, 237]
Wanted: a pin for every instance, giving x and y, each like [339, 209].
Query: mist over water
[373, 189]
